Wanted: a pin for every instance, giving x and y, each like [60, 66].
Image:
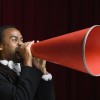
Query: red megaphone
[78, 50]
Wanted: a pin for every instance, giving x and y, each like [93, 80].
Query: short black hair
[2, 30]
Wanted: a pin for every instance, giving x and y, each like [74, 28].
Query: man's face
[12, 39]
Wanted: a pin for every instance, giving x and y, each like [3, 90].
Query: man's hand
[28, 59]
[40, 64]
[26, 53]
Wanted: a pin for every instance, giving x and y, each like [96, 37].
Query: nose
[20, 43]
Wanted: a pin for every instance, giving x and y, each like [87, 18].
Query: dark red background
[43, 19]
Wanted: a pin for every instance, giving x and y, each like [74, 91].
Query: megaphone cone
[79, 50]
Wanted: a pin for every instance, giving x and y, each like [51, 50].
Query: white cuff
[47, 77]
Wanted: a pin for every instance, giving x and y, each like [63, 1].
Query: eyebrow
[16, 37]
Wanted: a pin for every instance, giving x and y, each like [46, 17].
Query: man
[22, 76]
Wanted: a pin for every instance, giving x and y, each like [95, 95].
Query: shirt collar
[13, 66]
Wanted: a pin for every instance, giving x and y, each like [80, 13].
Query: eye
[21, 40]
[14, 39]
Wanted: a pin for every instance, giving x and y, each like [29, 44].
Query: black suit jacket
[28, 86]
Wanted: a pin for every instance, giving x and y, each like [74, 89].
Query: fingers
[27, 44]
[30, 43]
[37, 41]
[39, 62]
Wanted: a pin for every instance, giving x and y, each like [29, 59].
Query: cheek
[10, 47]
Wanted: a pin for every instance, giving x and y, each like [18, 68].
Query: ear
[1, 47]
